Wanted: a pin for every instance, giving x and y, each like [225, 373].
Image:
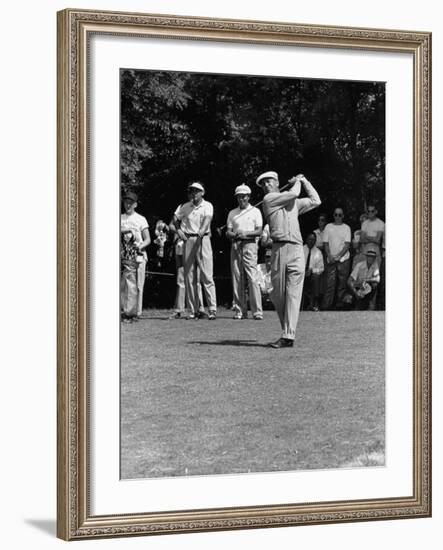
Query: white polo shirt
[336, 235]
[372, 228]
[191, 216]
[136, 223]
[248, 219]
[315, 260]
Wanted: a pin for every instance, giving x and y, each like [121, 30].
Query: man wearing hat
[137, 225]
[193, 221]
[281, 210]
[244, 226]
[364, 280]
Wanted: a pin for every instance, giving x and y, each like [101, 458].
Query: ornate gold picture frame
[76, 520]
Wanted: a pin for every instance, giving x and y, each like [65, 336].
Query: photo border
[75, 28]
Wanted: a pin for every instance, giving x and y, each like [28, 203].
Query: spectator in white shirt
[133, 278]
[193, 222]
[319, 232]
[314, 267]
[372, 231]
[337, 241]
[244, 226]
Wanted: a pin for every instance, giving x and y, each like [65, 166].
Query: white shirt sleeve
[208, 210]
[178, 212]
[326, 234]
[143, 223]
[319, 265]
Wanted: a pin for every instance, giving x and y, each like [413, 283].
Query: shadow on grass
[146, 318]
[244, 343]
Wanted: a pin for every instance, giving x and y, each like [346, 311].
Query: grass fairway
[208, 397]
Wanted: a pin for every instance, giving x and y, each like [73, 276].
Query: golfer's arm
[311, 201]
[274, 201]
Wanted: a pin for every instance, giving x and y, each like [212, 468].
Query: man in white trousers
[281, 210]
[193, 222]
[244, 227]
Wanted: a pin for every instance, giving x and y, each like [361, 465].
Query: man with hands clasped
[193, 223]
[244, 227]
[337, 242]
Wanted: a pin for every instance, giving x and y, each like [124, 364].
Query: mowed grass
[208, 397]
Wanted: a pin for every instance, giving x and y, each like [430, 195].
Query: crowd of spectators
[344, 269]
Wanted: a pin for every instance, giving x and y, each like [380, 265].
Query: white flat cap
[242, 190]
[196, 185]
[271, 174]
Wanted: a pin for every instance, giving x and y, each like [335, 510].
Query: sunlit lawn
[203, 397]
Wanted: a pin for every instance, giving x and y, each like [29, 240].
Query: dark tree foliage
[225, 130]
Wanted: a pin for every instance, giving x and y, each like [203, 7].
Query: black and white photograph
[252, 274]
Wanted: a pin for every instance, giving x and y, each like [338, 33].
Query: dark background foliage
[224, 130]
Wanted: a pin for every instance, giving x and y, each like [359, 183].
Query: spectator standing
[356, 242]
[132, 222]
[180, 296]
[372, 231]
[161, 236]
[319, 233]
[337, 241]
[313, 271]
[244, 226]
[193, 221]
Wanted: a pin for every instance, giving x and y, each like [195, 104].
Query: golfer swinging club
[281, 210]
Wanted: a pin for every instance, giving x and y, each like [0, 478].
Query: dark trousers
[381, 286]
[337, 275]
[311, 290]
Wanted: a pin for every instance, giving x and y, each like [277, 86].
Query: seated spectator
[313, 271]
[363, 281]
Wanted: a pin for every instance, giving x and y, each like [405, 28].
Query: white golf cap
[196, 185]
[271, 174]
[242, 190]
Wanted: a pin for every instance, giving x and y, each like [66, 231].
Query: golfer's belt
[196, 235]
